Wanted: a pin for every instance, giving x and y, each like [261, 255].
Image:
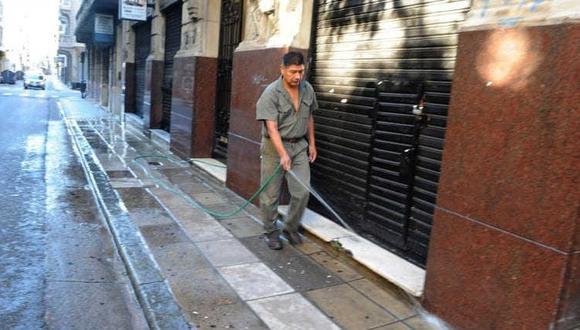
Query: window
[64, 28]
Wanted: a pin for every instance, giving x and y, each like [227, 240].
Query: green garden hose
[191, 201]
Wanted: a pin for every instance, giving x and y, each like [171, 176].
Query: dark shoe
[273, 240]
[293, 237]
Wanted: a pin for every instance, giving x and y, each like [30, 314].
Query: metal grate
[172, 44]
[230, 37]
[372, 62]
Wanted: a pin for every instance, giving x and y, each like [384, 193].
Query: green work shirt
[276, 104]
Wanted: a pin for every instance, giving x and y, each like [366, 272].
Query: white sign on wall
[104, 28]
[135, 10]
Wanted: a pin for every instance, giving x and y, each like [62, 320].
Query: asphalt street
[58, 267]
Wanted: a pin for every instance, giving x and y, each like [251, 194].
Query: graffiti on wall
[513, 13]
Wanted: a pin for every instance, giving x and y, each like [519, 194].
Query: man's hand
[286, 162]
[312, 153]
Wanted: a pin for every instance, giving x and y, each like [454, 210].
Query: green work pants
[269, 198]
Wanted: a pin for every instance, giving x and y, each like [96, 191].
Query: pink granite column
[153, 98]
[253, 71]
[193, 106]
[129, 98]
[505, 246]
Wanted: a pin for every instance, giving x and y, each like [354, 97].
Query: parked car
[34, 80]
[8, 77]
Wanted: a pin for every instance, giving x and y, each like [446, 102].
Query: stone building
[71, 54]
[447, 130]
[3, 60]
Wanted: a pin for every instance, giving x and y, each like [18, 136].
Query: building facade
[421, 103]
[71, 64]
[3, 60]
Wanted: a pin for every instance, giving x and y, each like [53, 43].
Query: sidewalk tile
[254, 281]
[163, 235]
[349, 308]
[202, 290]
[137, 198]
[226, 252]
[291, 311]
[394, 326]
[309, 247]
[174, 259]
[389, 299]
[298, 270]
[242, 227]
[205, 230]
[343, 271]
[235, 316]
[208, 199]
[150, 217]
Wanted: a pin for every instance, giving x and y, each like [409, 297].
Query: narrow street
[59, 268]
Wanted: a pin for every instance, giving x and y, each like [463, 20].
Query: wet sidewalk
[190, 267]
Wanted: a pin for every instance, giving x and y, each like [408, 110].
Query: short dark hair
[293, 58]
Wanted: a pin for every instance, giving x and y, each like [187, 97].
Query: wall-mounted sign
[104, 28]
[135, 10]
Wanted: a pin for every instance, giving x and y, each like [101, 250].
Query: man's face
[292, 74]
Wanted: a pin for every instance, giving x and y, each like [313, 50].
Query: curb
[152, 290]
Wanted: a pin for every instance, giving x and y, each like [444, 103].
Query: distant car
[34, 80]
[8, 77]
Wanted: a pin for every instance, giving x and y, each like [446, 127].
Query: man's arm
[312, 153]
[276, 139]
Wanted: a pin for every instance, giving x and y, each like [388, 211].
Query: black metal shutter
[142, 51]
[374, 60]
[172, 44]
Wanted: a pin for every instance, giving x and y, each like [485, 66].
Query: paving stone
[226, 252]
[111, 162]
[163, 235]
[393, 301]
[205, 230]
[150, 217]
[208, 199]
[119, 183]
[179, 207]
[236, 316]
[309, 247]
[400, 325]
[426, 322]
[242, 227]
[120, 174]
[202, 290]
[137, 198]
[349, 308]
[291, 311]
[254, 281]
[343, 271]
[175, 259]
[193, 188]
[301, 272]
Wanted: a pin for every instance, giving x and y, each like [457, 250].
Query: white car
[34, 80]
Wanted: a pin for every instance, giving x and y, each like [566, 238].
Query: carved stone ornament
[194, 9]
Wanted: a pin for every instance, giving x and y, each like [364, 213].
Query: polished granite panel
[511, 149]
[153, 110]
[479, 277]
[130, 87]
[193, 105]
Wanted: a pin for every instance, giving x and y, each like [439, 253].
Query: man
[285, 108]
